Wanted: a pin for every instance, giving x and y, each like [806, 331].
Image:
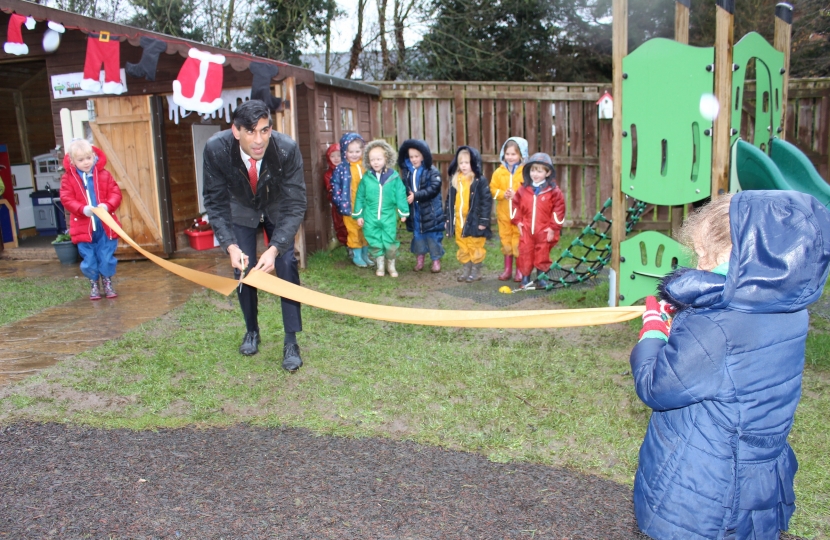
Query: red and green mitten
[656, 319]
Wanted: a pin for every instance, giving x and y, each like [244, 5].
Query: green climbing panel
[666, 154]
[769, 82]
[645, 260]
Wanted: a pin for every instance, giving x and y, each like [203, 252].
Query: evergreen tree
[280, 28]
[173, 17]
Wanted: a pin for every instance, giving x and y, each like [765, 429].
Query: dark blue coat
[481, 201]
[426, 188]
[715, 462]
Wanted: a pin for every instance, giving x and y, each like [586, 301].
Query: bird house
[605, 106]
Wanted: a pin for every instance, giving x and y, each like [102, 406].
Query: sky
[343, 29]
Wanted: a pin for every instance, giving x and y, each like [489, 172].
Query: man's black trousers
[287, 269]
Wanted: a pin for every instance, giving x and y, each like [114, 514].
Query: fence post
[783, 33]
[460, 115]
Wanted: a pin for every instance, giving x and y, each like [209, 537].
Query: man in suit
[253, 178]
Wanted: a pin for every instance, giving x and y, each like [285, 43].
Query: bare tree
[384, 47]
[357, 44]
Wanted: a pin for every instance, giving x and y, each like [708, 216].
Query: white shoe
[390, 266]
[380, 271]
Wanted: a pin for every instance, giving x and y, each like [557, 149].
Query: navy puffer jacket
[481, 201]
[425, 184]
[715, 462]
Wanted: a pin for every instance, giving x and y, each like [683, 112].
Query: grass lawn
[22, 297]
[559, 397]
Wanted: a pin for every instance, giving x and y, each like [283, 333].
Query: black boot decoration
[261, 85]
[146, 67]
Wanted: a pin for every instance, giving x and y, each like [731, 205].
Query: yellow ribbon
[558, 318]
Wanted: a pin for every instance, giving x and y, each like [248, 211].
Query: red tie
[252, 175]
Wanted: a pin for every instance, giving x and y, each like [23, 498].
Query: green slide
[785, 168]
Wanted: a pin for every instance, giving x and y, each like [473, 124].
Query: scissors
[242, 272]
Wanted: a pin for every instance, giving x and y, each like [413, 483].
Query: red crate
[200, 239]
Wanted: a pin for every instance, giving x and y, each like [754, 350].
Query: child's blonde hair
[707, 229]
[80, 148]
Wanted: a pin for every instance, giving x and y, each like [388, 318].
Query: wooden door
[123, 130]
[285, 122]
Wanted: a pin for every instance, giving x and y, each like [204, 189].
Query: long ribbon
[558, 318]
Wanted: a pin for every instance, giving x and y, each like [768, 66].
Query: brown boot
[465, 271]
[475, 275]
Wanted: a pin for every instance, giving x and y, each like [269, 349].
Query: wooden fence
[561, 120]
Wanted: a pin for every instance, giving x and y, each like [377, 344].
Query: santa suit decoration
[199, 84]
[102, 49]
[14, 37]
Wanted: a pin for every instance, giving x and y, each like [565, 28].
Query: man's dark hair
[249, 114]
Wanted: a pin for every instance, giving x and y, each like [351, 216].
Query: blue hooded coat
[425, 183]
[341, 180]
[715, 462]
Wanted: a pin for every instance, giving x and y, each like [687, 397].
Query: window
[347, 122]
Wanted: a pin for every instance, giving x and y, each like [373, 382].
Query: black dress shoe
[291, 360]
[249, 344]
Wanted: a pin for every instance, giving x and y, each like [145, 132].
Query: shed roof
[236, 60]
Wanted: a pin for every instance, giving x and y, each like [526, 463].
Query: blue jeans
[98, 255]
[430, 242]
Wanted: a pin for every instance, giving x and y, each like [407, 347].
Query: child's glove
[656, 318]
[104, 206]
[88, 211]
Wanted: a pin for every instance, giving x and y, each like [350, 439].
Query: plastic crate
[200, 240]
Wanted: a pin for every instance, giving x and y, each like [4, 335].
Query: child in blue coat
[725, 381]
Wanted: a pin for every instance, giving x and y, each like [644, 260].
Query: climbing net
[590, 252]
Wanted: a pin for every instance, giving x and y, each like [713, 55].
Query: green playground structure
[667, 152]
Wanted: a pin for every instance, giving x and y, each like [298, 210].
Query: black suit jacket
[280, 195]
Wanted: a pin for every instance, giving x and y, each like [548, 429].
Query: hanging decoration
[261, 85]
[52, 36]
[14, 36]
[231, 99]
[104, 49]
[199, 84]
[146, 67]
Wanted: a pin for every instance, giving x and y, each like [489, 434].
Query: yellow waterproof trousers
[508, 233]
[470, 249]
[354, 234]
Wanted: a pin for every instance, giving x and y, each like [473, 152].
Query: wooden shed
[154, 147]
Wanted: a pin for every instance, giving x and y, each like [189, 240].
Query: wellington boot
[518, 277]
[465, 271]
[357, 258]
[475, 274]
[436, 266]
[364, 252]
[390, 267]
[419, 263]
[508, 268]
[380, 272]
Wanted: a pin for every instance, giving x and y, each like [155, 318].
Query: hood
[391, 155]
[344, 143]
[420, 146]
[100, 162]
[542, 159]
[332, 149]
[475, 161]
[779, 260]
[522, 149]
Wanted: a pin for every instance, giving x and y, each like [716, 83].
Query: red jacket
[73, 197]
[537, 213]
[330, 171]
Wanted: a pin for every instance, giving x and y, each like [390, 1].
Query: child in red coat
[86, 184]
[333, 160]
[540, 212]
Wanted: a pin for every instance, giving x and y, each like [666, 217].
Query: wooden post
[783, 33]
[724, 42]
[618, 207]
[681, 35]
[681, 21]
